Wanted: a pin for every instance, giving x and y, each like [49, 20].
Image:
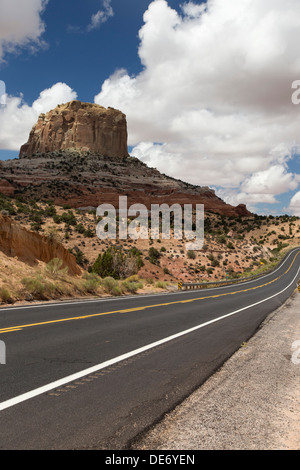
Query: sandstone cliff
[16, 241]
[79, 126]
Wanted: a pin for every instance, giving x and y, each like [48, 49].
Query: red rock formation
[79, 126]
[30, 246]
[77, 154]
[6, 188]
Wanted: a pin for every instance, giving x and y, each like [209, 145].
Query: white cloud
[294, 207]
[101, 16]
[212, 104]
[17, 118]
[274, 180]
[20, 24]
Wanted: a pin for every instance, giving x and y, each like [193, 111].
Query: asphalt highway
[95, 374]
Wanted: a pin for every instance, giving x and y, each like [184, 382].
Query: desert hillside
[233, 247]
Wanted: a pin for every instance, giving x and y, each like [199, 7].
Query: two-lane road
[94, 374]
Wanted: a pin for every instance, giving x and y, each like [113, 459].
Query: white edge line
[59, 383]
[60, 304]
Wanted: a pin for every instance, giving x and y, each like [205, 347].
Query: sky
[211, 89]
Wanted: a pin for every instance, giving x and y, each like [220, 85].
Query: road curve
[95, 374]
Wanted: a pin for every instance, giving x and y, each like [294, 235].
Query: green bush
[161, 284]
[5, 296]
[131, 286]
[69, 218]
[154, 255]
[111, 286]
[91, 283]
[54, 268]
[104, 265]
[115, 263]
[35, 287]
[191, 254]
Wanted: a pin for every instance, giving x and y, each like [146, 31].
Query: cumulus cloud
[274, 180]
[20, 24]
[212, 104]
[294, 207]
[101, 16]
[17, 117]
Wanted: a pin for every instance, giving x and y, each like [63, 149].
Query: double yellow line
[135, 309]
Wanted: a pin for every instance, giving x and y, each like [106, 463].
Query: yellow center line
[135, 309]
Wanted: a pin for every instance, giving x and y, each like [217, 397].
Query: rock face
[29, 246]
[79, 126]
[77, 155]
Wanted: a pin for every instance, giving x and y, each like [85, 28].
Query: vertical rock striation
[79, 126]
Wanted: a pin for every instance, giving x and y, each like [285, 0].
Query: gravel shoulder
[251, 403]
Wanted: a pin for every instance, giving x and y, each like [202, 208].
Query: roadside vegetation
[233, 248]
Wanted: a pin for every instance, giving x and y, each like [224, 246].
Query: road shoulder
[251, 403]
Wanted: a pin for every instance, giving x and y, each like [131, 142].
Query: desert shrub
[131, 286]
[7, 206]
[36, 227]
[111, 286]
[215, 263]
[69, 218]
[91, 283]
[36, 217]
[56, 219]
[134, 252]
[54, 268]
[35, 287]
[161, 284]
[5, 296]
[191, 254]
[52, 233]
[80, 228]
[50, 211]
[222, 238]
[154, 255]
[115, 263]
[81, 260]
[89, 233]
[22, 208]
[104, 265]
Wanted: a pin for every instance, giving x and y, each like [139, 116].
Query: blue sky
[206, 86]
[74, 56]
